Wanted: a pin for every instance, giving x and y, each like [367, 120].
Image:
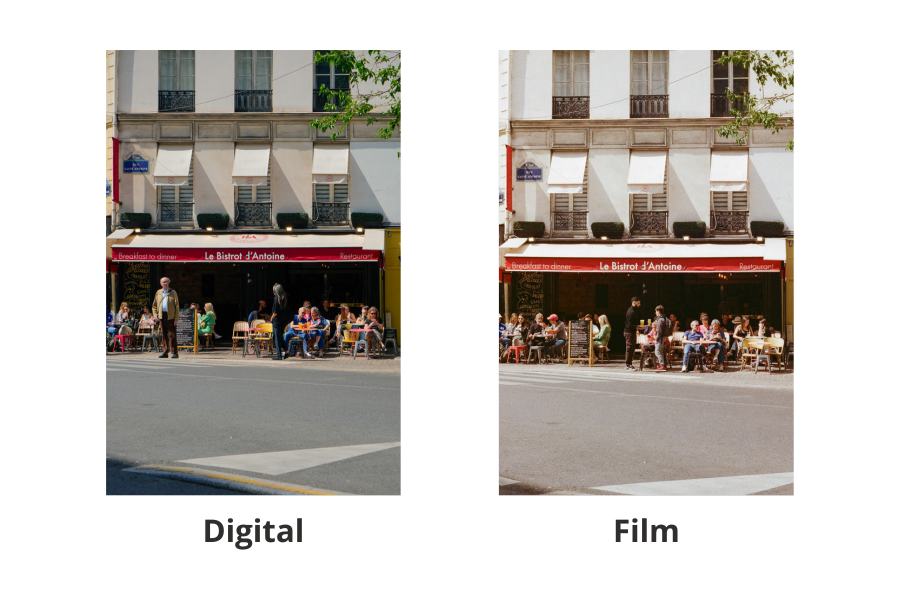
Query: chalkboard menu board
[136, 283]
[529, 294]
[580, 342]
[186, 328]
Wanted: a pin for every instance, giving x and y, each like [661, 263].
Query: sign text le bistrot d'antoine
[529, 172]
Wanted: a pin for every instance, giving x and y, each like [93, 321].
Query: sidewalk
[222, 355]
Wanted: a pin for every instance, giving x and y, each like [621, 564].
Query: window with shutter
[254, 202]
[729, 212]
[570, 210]
[650, 212]
[332, 203]
[176, 202]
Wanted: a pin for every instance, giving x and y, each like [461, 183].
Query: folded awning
[566, 172]
[330, 164]
[374, 240]
[251, 165]
[647, 172]
[249, 247]
[647, 258]
[173, 165]
[728, 171]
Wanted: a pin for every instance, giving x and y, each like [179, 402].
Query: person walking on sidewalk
[279, 318]
[663, 331]
[165, 308]
[631, 322]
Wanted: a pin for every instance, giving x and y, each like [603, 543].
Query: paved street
[202, 426]
[602, 430]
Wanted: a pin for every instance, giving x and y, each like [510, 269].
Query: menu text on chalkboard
[186, 329]
[529, 294]
[136, 284]
[580, 342]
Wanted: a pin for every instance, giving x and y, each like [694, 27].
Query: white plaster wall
[136, 190]
[689, 98]
[375, 178]
[214, 80]
[138, 81]
[367, 87]
[292, 177]
[531, 202]
[504, 87]
[610, 83]
[531, 84]
[213, 190]
[292, 93]
[608, 185]
[770, 189]
[688, 189]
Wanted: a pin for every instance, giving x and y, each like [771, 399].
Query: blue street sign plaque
[136, 164]
[529, 172]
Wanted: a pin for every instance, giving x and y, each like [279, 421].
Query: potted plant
[694, 229]
[134, 220]
[292, 220]
[614, 230]
[767, 228]
[217, 221]
[533, 229]
[366, 220]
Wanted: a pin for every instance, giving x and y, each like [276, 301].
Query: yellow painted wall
[392, 277]
[789, 290]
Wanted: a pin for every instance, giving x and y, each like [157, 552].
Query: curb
[226, 481]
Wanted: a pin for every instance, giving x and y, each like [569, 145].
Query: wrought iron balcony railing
[176, 211]
[654, 106]
[570, 220]
[319, 101]
[331, 213]
[176, 101]
[571, 107]
[719, 106]
[653, 222]
[253, 213]
[729, 221]
[252, 100]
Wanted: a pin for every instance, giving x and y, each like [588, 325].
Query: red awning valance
[125, 253]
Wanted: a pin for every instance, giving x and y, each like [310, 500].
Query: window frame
[331, 199]
[570, 203]
[254, 189]
[729, 79]
[254, 58]
[712, 203]
[331, 74]
[570, 81]
[178, 59]
[649, 81]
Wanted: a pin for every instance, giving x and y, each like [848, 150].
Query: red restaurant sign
[644, 265]
[243, 255]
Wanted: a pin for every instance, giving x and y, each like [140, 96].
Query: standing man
[165, 308]
[631, 322]
[662, 336]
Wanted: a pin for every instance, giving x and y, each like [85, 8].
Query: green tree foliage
[381, 100]
[757, 110]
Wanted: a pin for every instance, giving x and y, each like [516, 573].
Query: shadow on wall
[687, 211]
[209, 205]
[762, 205]
[363, 193]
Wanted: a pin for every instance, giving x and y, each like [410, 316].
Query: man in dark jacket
[662, 331]
[631, 323]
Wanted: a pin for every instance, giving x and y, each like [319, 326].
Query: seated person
[363, 314]
[147, 316]
[519, 331]
[328, 311]
[601, 334]
[742, 329]
[764, 329]
[377, 328]
[558, 331]
[503, 338]
[676, 324]
[536, 328]
[693, 335]
[315, 334]
[341, 321]
[259, 313]
[300, 320]
[704, 324]
[208, 320]
[718, 335]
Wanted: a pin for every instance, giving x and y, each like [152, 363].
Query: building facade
[618, 185]
[226, 188]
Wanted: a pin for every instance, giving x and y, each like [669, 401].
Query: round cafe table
[760, 345]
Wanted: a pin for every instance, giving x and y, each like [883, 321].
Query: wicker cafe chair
[239, 333]
[601, 353]
[145, 331]
[676, 345]
[776, 351]
[748, 353]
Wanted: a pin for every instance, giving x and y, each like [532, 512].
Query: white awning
[374, 240]
[120, 234]
[173, 165]
[566, 173]
[647, 172]
[251, 165]
[330, 164]
[728, 171]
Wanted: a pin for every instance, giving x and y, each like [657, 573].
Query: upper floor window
[649, 83]
[254, 202]
[252, 81]
[333, 78]
[571, 84]
[732, 76]
[176, 81]
[176, 202]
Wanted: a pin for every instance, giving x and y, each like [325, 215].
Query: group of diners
[551, 335]
[127, 322]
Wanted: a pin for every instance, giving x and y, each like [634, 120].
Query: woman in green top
[208, 320]
[602, 338]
